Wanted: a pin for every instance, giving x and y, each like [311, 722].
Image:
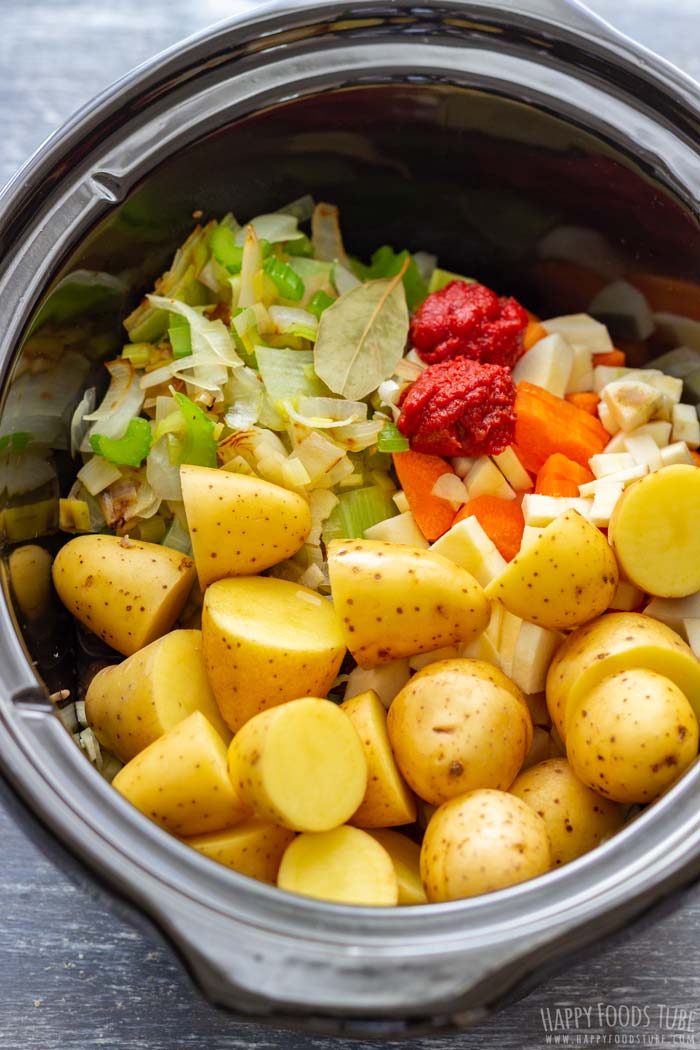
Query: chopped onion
[319, 455]
[407, 370]
[163, 476]
[343, 279]
[333, 408]
[451, 488]
[276, 227]
[212, 336]
[250, 264]
[358, 436]
[98, 474]
[321, 503]
[245, 394]
[325, 234]
[121, 372]
[77, 424]
[122, 403]
[302, 208]
[178, 538]
[291, 320]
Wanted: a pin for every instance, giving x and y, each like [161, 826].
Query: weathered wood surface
[72, 975]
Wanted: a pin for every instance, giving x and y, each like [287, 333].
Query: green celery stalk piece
[357, 511]
[288, 374]
[129, 450]
[179, 335]
[441, 278]
[198, 441]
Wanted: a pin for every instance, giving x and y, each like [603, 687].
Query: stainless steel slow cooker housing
[451, 125]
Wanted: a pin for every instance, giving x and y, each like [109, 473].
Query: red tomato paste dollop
[460, 408]
[469, 320]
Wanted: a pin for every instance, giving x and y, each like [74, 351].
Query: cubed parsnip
[467, 544]
[532, 654]
[632, 735]
[644, 451]
[512, 470]
[385, 680]
[565, 578]
[344, 865]
[481, 842]
[604, 503]
[654, 532]
[127, 592]
[678, 452]
[606, 463]
[611, 425]
[685, 424]
[459, 725]
[485, 479]
[631, 402]
[508, 638]
[691, 631]
[240, 525]
[402, 528]
[131, 704]
[405, 856]
[581, 330]
[658, 429]
[253, 848]
[673, 611]
[421, 660]
[181, 781]
[300, 765]
[540, 511]
[581, 375]
[388, 802]
[30, 578]
[547, 364]
[617, 642]
[266, 641]
[396, 601]
[577, 818]
[625, 478]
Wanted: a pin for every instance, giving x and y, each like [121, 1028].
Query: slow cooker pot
[521, 140]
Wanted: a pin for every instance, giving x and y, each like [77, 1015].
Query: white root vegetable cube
[627, 597]
[451, 488]
[581, 375]
[485, 479]
[644, 451]
[608, 419]
[673, 611]
[462, 465]
[512, 470]
[691, 629]
[678, 452]
[467, 544]
[401, 501]
[495, 627]
[658, 429]
[604, 503]
[511, 626]
[400, 529]
[482, 649]
[541, 510]
[533, 652]
[669, 386]
[606, 463]
[581, 330]
[421, 660]
[685, 424]
[631, 402]
[625, 477]
[530, 535]
[547, 364]
[604, 374]
[386, 681]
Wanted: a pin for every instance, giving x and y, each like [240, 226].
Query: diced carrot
[560, 476]
[533, 333]
[696, 458]
[613, 359]
[501, 519]
[417, 475]
[587, 401]
[546, 424]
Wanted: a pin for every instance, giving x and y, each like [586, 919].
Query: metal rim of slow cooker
[619, 875]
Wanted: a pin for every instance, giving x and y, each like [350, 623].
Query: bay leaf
[362, 336]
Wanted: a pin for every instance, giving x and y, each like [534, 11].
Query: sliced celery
[356, 511]
[441, 278]
[391, 439]
[288, 374]
[179, 335]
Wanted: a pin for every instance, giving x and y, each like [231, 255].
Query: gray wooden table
[73, 976]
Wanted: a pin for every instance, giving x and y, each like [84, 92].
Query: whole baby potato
[577, 818]
[481, 842]
[632, 736]
[459, 725]
[618, 642]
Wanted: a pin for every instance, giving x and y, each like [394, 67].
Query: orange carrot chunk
[417, 474]
[561, 476]
[613, 359]
[501, 519]
[587, 401]
[546, 424]
[533, 333]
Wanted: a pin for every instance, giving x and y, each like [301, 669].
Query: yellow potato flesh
[405, 856]
[131, 704]
[654, 532]
[240, 525]
[617, 642]
[267, 641]
[253, 848]
[344, 865]
[563, 579]
[396, 601]
[300, 765]
[181, 781]
[632, 736]
[577, 818]
[388, 801]
[481, 842]
[127, 592]
[454, 728]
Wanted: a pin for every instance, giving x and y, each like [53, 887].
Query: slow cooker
[522, 140]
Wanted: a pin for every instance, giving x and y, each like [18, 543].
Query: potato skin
[240, 525]
[617, 642]
[126, 591]
[577, 818]
[565, 578]
[456, 727]
[482, 841]
[632, 736]
[396, 601]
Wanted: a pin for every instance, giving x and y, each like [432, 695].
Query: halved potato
[253, 848]
[344, 865]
